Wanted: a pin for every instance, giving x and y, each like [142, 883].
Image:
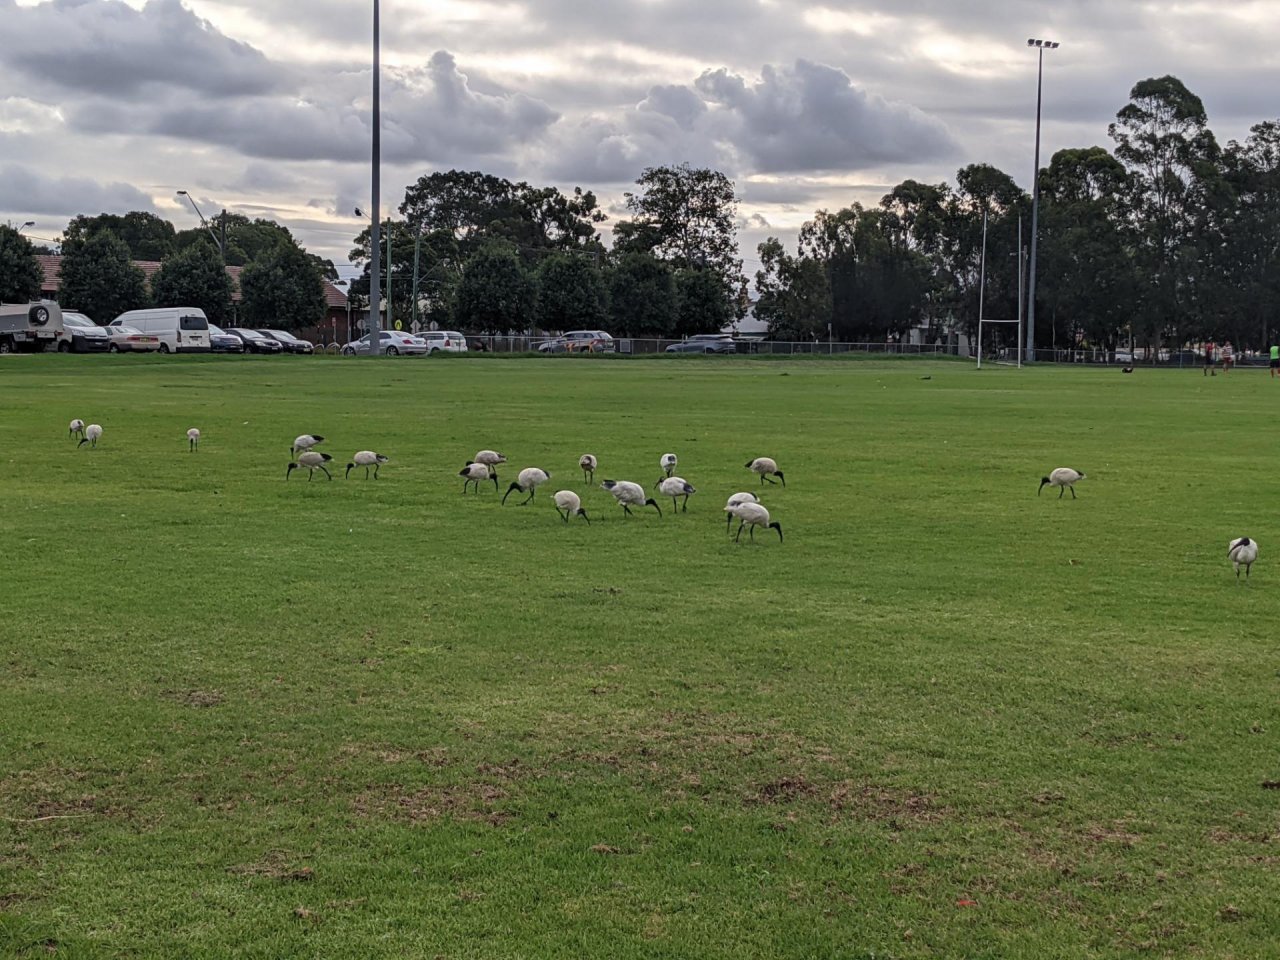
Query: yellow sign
[399, 325]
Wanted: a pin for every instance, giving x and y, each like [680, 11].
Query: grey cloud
[106, 47]
[24, 189]
[812, 117]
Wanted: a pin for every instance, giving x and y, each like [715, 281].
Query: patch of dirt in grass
[897, 807]
[275, 865]
[474, 802]
[195, 698]
[783, 790]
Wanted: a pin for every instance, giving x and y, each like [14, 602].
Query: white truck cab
[33, 327]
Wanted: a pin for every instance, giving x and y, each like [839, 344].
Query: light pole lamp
[219, 242]
[29, 223]
[1041, 46]
[372, 241]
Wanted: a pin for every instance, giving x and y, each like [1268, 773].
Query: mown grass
[946, 717]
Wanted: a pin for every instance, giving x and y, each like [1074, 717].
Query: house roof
[52, 266]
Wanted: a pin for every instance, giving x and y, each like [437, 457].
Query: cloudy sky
[262, 106]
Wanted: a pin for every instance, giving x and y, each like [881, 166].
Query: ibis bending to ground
[569, 503]
[766, 467]
[588, 464]
[312, 460]
[490, 458]
[630, 495]
[475, 472]
[91, 434]
[753, 515]
[366, 459]
[530, 479]
[193, 440]
[674, 487]
[668, 463]
[1244, 551]
[1063, 477]
[75, 428]
[744, 497]
[304, 443]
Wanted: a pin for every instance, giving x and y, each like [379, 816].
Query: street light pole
[29, 223]
[372, 234]
[221, 243]
[375, 266]
[1041, 46]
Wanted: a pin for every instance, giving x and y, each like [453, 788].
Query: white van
[180, 329]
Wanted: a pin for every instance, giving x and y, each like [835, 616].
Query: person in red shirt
[1228, 356]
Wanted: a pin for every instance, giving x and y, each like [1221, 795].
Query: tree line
[1167, 237]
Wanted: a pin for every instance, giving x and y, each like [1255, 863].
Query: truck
[33, 327]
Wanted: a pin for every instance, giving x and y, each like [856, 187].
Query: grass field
[946, 718]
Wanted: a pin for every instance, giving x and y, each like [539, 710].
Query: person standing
[1208, 360]
[1275, 360]
[1228, 356]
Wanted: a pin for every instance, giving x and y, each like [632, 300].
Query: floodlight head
[1031, 43]
[359, 212]
[1053, 45]
[29, 223]
[182, 193]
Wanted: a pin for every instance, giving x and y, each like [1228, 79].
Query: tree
[795, 293]
[282, 290]
[429, 260]
[1163, 138]
[688, 218]
[20, 275]
[642, 296]
[705, 306]
[147, 236]
[195, 277]
[571, 292]
[99, 279]
[496, 293]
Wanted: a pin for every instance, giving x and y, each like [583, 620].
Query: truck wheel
[6, 345]
[112, 348]
[164, 348]
[64, 347]
[39, 315]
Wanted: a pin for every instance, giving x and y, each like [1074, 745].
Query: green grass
[947, 717]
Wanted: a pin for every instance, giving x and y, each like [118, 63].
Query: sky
[263, 107]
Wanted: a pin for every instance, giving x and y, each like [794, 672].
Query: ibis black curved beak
[1043, 481]
[514, 486]
[83, 441]
[583, 514]
[653, 503]
[292, 467]
[781, 477]
[347, 475]
[777, 526]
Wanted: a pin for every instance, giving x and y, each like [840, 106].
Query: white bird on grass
[311, 460]
[1242, 550]
[1063, 477]
[569, 503]
[475, 472]
[588, 464]
[490, 458]
[674, 487]
[530, 479]
[193, 440]
[745, 496]
[629, 495]
[766, 467]
[366, 459]
[91, 434]
[753, 515]
[668, 463]
[75, 428]
[305, 442]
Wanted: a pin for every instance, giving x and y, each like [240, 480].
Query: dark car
[222, 342]
[86, 336]
[254, 342]
[705, 343]
[290, 343]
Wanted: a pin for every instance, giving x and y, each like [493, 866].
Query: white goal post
[1012, 363]
[982, 284]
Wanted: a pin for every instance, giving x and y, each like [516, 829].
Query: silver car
[391, 343]
[86, 336]
[450, 341]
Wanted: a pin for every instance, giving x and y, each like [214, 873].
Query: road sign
[399, 325]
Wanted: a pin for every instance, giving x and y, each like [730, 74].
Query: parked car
[32, 326]
[391, 342]
[579, 341]
[447, 340]
[180, 329]
[705, 343]
[126, 339]
[290, 343]
[86, 336]
[222, 342]
[254, 342]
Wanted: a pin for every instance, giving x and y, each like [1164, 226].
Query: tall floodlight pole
[982, 283]
[1041, 46]
[375, 266]
[32, 223]
[220, 243]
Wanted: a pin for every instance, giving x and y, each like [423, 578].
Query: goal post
[1017, 362]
